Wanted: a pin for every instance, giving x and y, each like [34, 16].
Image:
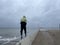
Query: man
[23, 25]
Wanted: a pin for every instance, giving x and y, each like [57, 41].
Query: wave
[8, 39]
[0, 36]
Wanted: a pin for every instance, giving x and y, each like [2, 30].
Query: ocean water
[9, 35]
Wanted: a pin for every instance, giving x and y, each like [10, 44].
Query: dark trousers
[23, 27]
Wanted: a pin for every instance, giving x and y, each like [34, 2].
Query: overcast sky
[39, 13]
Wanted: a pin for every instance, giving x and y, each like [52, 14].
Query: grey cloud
[39, 12]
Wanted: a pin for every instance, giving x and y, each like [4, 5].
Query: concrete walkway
[43, 38]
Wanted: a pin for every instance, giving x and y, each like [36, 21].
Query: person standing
[23, 25]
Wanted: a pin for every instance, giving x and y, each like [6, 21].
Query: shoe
[25, 35]
[21, 37]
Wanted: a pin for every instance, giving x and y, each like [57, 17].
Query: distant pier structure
[59, 26]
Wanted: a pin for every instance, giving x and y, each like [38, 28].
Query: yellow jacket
[23, 19]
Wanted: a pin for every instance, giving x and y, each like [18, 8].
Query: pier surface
[47, 38]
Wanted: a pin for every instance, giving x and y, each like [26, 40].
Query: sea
[10, 36]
